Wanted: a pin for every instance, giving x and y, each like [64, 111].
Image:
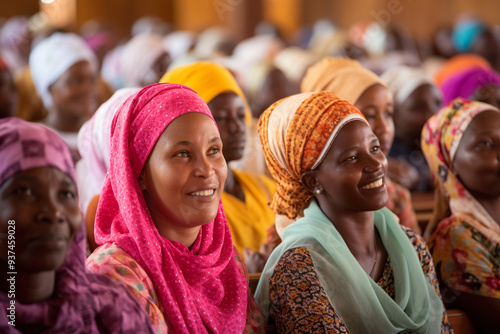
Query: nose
[375, 162]
[381, 126]
[204, 167]
[49, 212]
[236, 125]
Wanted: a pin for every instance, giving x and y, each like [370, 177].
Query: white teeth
[375, 184]
[203, 193]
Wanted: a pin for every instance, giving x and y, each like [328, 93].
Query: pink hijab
[200, 288]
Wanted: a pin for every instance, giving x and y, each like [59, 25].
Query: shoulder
[259, 180]
[112, 261]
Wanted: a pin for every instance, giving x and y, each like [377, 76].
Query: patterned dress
[299, 304]
[110, 260]
[466, 260]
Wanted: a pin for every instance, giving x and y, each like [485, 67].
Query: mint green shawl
[363, 305]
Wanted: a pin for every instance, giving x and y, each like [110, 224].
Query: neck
[491, 205]
[28, 288]
[361, 237]
[232, 187]
[64, 122]
[186, 236]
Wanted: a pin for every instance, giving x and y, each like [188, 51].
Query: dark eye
[389, 113]
[23, 190]
[484, 144]
[351, 158]
[67, 194]
[182, 154]
[376, 148]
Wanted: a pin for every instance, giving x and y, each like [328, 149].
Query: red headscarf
[200, 288]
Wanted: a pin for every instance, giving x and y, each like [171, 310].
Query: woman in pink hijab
[160, 219]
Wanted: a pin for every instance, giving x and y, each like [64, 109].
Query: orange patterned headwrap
[296, 133]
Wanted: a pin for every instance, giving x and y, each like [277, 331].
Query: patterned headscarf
[464, 84]
[342, 76]
[83, 301]
[296, 133]
[208, 80]
[200, 288]
[441, 137]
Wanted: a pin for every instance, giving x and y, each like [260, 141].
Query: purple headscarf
[465, 83]
[82, 302]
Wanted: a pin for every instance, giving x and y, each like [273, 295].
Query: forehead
[353, 134]
[47, 175]
[190, 125]
[485, 121]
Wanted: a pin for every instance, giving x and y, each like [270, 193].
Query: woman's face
[376, 105]
[228, 111]
[477, 160]
[75, 92]
[411, 115]
[183, 178]
[352, 174]
[38, 219]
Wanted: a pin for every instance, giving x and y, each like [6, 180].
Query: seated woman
[461, 145]
[246, 195]
[347, 79]
[64, 71]
[160, 219]
[43, 243]
[416, 98]
[346, 265]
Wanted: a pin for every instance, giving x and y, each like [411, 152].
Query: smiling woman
[43, 281]
[344, 260]
[160, 219]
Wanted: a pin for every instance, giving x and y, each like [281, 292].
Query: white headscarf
[404, 80]
[55, 55]
[138, 57]
[94, 145]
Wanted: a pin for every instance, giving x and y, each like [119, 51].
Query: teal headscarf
[363, 305]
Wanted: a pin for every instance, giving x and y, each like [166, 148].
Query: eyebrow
[188, 143]
[375, 139]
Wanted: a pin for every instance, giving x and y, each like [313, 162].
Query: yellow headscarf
[208, 80]
[343, 77]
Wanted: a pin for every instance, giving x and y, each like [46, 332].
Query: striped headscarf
[296, 134]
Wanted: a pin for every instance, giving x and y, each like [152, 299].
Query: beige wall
[421, 17]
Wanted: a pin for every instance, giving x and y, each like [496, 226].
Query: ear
[310, 181]
[141, 180]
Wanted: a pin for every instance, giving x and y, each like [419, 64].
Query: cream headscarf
[344, 77]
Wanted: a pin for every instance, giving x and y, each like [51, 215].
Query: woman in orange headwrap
[346, 266]
[347, 79]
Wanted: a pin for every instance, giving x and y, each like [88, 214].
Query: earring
[318, 191]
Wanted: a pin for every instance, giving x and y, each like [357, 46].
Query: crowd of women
[142, 180]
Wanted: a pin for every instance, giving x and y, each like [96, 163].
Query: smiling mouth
[374, 185]
[203, 193]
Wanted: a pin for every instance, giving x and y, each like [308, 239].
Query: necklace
[376, 258]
